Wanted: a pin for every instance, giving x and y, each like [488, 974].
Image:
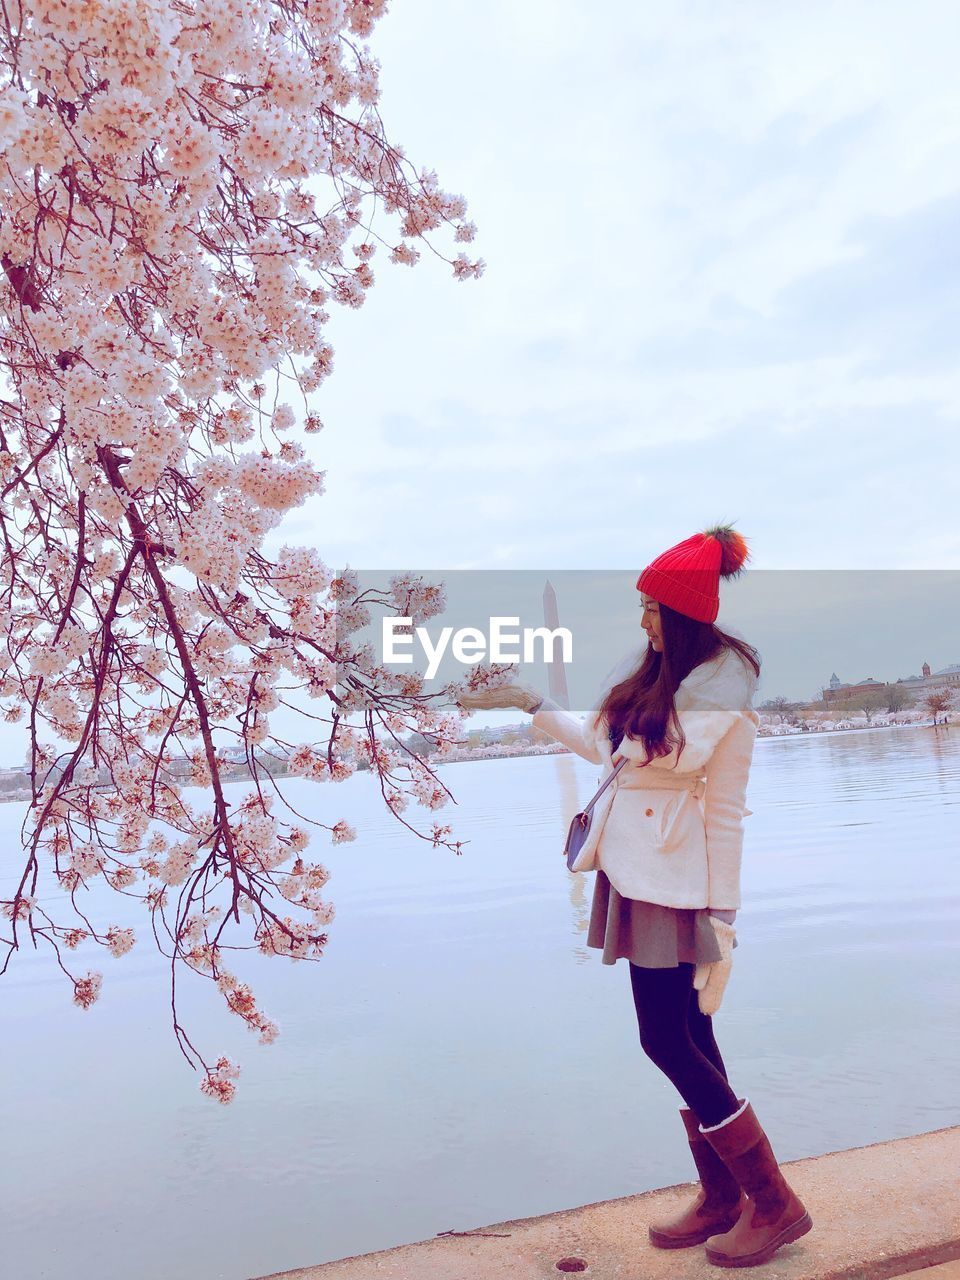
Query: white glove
[710, 979]
[503, 695]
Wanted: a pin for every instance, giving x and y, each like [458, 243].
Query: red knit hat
[687, 577]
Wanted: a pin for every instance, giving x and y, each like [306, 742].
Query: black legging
[679, 1039]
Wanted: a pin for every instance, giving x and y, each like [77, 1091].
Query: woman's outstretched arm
[566, 728]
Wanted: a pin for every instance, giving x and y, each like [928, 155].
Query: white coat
[671, 831]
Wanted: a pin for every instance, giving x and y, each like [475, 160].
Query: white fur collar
[725, 680]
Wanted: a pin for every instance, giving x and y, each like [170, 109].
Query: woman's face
[650, 621]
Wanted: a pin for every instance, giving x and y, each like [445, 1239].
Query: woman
[666, 839]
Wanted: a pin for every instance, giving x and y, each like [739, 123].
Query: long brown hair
[641, 706]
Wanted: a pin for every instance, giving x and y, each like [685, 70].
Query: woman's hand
[711, 979]
[727, 916]
[501, 695]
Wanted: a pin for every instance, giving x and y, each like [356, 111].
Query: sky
[721, 284]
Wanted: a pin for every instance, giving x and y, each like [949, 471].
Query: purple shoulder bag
[580, 823]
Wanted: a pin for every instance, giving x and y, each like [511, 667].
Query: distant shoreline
[565, 751]
[801, 733]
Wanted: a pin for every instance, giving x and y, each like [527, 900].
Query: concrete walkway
[888, 1209]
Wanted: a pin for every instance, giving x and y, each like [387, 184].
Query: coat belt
[646, 779]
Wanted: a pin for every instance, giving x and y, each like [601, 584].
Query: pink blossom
[120, 941]
[219, 1083]
[406, 254]
[86, 990]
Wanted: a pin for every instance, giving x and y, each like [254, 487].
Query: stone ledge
[878, 1211]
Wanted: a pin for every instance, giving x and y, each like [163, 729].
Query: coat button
[649, 813]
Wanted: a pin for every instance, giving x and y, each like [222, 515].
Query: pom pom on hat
[734, 552]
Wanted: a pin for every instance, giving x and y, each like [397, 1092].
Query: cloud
[721, 274]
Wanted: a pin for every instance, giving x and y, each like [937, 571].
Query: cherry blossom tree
[938, 701]
[186, 188]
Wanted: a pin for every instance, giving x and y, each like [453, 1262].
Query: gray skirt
[648, 933]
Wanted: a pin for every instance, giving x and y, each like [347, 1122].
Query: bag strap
[603, 786]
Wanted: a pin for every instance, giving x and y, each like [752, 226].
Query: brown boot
[774, 1215]
[719, 1201]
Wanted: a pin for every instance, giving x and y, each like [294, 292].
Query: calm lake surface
[459, 1056]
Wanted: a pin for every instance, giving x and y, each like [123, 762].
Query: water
[459, 1056]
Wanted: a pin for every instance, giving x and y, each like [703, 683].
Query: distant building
[493, 733]
[836, 691]
[946, 676]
